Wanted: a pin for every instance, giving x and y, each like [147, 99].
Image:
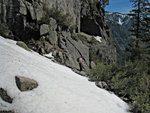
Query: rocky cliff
[65, 27]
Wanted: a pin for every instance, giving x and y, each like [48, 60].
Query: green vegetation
[73, 28]
[75, 36]
[140, 29]
[94, 57]
[131, 82]
[63, 20]
[94, 6]
[4, 30]
[99, 3]
[100, 73]
[111, 41]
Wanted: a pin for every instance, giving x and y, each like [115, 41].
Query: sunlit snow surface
[98, 38]
[60, 90]
[119, 22]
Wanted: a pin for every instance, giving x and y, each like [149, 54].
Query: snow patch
[119, 22]
[50, 56]
[60, 90]
[98, 38]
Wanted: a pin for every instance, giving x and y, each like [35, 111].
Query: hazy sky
[122, 6]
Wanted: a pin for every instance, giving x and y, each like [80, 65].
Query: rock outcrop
[23, 45]
[53, 26]
[25, 84]
[102, 85]
[4, 95]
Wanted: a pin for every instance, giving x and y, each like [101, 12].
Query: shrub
[63, 20]
[73, 28]
[101, 72]
[75, 36]
[130, 81]
[4, 30]
[94, 6]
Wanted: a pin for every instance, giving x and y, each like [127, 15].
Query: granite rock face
[30, 22]
[74, 50]
[44, 29]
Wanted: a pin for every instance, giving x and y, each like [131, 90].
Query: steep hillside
[57, 25]
[120, 24]
[59, 89]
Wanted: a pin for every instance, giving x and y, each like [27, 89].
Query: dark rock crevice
[89, 26]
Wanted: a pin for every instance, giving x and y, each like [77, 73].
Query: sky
[122, 6]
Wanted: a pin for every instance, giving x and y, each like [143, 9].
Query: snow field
[60, 90]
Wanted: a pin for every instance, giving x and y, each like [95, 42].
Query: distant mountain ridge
[120, 24]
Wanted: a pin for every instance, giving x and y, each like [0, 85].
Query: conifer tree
[141, 28]
[104, 2]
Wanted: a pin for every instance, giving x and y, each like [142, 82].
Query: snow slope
[60, 90]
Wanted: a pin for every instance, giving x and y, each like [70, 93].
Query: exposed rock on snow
[102, 85]
[23, 45]
[7, 111]
[25, 84]
[5, 96]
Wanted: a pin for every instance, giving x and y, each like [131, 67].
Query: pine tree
[146, 31]
[104, 2]
[141, 29]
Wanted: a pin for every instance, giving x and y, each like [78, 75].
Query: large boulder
[38, 11]
[52, 37]
[52, 24]
[23, 45]
[22, 8]
[4, 95]
[47, 47]
[30, 10]
[25, 84]
[44, 29]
